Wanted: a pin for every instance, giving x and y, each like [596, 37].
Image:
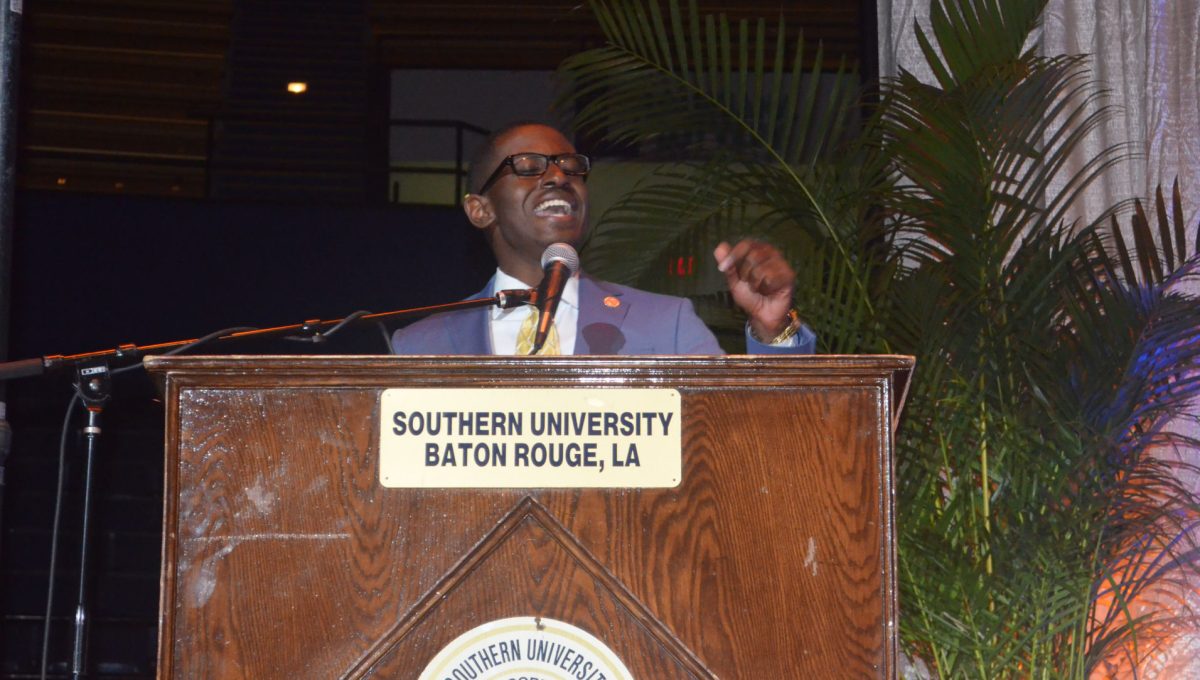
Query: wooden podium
[284, 557]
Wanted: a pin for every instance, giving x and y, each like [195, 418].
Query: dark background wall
[92, 271]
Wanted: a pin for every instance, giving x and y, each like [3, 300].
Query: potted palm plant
[1034, 514]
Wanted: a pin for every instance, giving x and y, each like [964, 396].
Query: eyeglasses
[536, 164]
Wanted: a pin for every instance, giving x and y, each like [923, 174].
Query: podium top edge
[761, 372]
[388, 364]
[364, 370]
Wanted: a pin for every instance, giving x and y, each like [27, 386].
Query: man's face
[526, 214]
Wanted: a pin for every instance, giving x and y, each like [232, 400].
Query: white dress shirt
[506, 323]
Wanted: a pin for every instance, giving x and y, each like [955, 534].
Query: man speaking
[529, 193]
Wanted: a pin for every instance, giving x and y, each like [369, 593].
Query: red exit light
[682, 266]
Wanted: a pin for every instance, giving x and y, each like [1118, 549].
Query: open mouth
[554, 207]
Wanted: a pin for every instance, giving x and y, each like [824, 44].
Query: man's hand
[761, 283]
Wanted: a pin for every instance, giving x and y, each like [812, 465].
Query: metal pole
[10, 52]
[82, 604]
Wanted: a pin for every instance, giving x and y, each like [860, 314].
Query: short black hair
[483, 161]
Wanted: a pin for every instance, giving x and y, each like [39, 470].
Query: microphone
[559, 263]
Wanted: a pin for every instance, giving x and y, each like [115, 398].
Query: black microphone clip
[515, 297]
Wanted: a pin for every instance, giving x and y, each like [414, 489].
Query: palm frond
[756, 130]
[975, 36]
[1169, 239]
[670, 81]
[687, 84]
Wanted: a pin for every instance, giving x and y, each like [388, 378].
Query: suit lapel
[599, 306]
[469, 331]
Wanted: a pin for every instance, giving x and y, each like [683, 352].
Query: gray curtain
[1146, 53]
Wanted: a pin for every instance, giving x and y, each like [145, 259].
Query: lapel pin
[611, 301]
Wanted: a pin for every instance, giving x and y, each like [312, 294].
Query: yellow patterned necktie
[529, 329]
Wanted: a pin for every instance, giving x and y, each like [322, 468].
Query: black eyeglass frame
[555, 159]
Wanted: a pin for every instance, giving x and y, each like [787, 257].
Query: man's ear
[479, 210]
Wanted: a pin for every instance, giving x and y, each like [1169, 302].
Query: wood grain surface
[285, 558]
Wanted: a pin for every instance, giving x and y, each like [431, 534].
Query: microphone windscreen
[561, 252]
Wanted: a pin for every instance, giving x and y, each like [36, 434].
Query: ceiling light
[297, 87]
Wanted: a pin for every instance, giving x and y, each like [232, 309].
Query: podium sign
[772, 556]
[480, 438]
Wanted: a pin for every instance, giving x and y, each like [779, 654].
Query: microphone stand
[93, 386]
[314, 330]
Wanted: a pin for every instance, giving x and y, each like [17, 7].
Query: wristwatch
[794, 324]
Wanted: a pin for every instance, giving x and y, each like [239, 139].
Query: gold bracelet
[793, 326]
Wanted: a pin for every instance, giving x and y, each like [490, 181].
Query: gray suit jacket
[638, 323]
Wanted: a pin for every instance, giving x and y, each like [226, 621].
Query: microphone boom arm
[9, 370]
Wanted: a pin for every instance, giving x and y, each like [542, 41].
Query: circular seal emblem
[526, 648]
